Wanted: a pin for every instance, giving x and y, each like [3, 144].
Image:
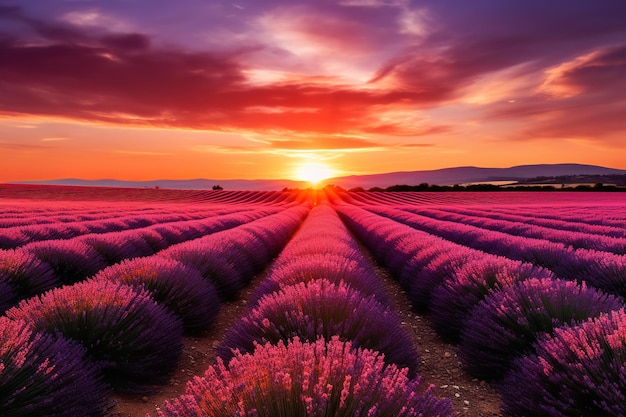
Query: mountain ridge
[442, 176]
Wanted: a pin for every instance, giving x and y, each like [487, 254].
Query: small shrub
[334, 268]
[506, 323]
[307, 379]
[438, 270]
[43, 375]
[71, 260]
[117, 246]
[578, 371]
[322, 309]
[136, 340]
[418, 262]
[178, 287]
[603, 270]
[26, 273]
[471, 283]
[212, 266]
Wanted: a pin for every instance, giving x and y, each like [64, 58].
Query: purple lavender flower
[136, 340]
[178, 287]
[215, 268]
[321, 308]
[307, 379]
[43, 375]
[578, 371]
[25, 273]
[506, 323]
[71, 260]
[455, 297]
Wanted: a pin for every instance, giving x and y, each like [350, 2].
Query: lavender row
[14, 216]
[500, 311]
[109, 331]
[18, 236]
[572, 224]
[519, 228]
[311, 343]
[602, 270]
[306, 295]
[602, 215]
[40, 266]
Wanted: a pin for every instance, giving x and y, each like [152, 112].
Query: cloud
[581, 97]
[54, 139]
[74, 71]
[14, 146]
[121, 78]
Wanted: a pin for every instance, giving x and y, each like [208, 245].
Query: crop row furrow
[513, 321]
[40, 266]
[63, 351]
[532, 218]
[319, 338]
[574, 239]
[14, 237]
[603, 270]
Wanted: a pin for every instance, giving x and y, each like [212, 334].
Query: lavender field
[102, 289]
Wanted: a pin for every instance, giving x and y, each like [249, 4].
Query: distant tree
[218, 187]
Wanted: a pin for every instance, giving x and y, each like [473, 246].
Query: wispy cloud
[55, 139]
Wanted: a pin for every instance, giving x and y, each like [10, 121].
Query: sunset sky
[250, 89]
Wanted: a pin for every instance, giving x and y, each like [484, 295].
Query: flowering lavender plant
[306, 379]
[226, 277]
[333, 267]
[322, 309]
[43, 375]
[135, 339]
[178, 287]
[506, 323]
[578, 371]
[455, 297]
[25, 273]
[71, 260]
[117, 246]
[439, 269]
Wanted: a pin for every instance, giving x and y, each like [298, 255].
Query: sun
[313, 172]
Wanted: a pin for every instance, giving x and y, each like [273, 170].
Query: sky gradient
[153, 89]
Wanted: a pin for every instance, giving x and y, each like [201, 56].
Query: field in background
[100, 286]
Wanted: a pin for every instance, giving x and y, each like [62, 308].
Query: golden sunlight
[313, 172]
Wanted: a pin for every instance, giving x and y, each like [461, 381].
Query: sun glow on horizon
[314, 172]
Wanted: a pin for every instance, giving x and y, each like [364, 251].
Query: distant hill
[464, 175]
[445, 176]
[194, 184]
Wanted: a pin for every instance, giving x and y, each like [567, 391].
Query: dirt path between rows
[439, 364]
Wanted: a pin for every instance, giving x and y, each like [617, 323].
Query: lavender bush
[439, 269]
[218, 270]
[116, 246]
[334, 268]
[136, 340]
[471, 283]
[43, 375]
[26, 273]
[178, 287]
[71, 260]
[579, 371]
[322, 309]
[506, 323]
[306, 379]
